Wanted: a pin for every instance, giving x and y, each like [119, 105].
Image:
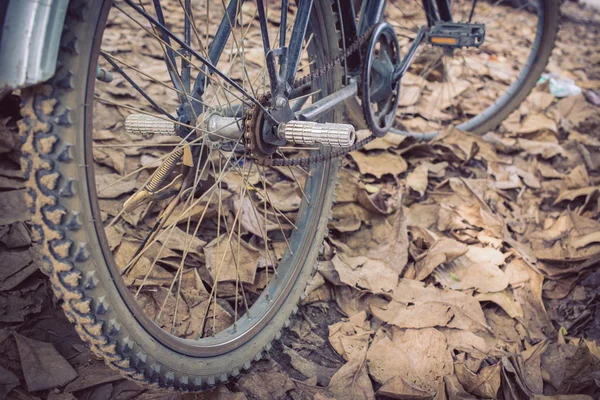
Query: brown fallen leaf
[416, 306]
[362, 273]
[385, 241]
[225, 264]
[477, 269]
[251, 217]
[92, 375]
[467, 342]
[351, 381]
[455, 390]
[577, 178]
[409, 95]
[420, 356]
[43, 367]
[113, 158]
[381, 202]
[417, 179]
[573, 111]
[484, 384]
[348, 189]
[540, 101]
[110, 186]
[350, 338]
[379, 164]
[537, 122]
[266, 381]
[399, 388]
[505, 300]
[177, 239]
[13, 207]
[385, 143]
[443, 251]
[8, 381]
[545, 149]
[571, 195]
[464, 145]
[285, 196]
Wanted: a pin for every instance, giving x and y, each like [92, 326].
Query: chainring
[380, 95]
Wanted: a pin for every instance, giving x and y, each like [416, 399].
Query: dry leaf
[379, 164]
[421, 357]
[416, 306]
[110, 186]
[399, 388]
[417, 179]
[484, 384]
[350, 338]
[442, 251]
[43, 367]
[363, 273]
[351, 381]
[477, 269]
[229, 258]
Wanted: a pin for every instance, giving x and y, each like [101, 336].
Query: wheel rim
[286, 265]
[426, 108]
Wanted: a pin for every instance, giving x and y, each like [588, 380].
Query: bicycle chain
[254, 115]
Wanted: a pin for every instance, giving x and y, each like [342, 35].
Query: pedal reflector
[444, 40]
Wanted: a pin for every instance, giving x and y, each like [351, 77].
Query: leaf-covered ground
[461, 268]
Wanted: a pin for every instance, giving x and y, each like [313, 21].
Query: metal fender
[30, 32]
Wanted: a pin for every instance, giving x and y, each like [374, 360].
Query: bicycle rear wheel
[473, 88]
[186, 298]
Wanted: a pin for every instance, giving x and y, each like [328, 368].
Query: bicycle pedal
[456, 34]
[308, 132]
[143, 124]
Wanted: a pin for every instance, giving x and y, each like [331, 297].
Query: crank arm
[401, 69]
[328, 103]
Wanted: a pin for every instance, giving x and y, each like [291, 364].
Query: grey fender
[30, 32]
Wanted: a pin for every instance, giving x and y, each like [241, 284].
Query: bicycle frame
[29, 47]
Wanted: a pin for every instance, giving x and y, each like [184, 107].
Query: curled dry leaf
[573, 111]
[484, 384]
[350, 338]
[381, 202]
[505, 300]
[571, 195]
[477, 269]
[417, 179]
[442, 251]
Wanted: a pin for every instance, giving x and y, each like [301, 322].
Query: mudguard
[29, 40]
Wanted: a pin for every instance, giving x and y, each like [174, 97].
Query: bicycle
[182, 268]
